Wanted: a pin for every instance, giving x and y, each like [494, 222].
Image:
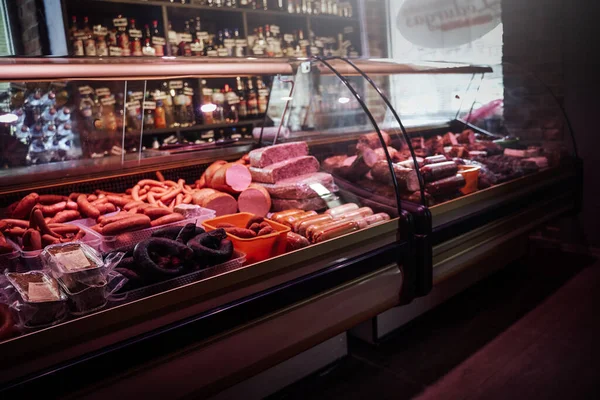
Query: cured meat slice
[286, 169]
[302, 187]
[312, 204]
[255, 200]
[266, 156]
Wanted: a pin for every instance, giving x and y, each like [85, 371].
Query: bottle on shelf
[148, 49]
[242, 100]
[76, 37]
[232, 105]
[158, 41]
[218, 99]
[89, 43]
[185, 40]
[252, 99]
[149, 107]
[240, 43]
[166, 95]
[135, 37]
[188, 93]
[207, 102]
[263, 96]
[172, 39]
[122, 36]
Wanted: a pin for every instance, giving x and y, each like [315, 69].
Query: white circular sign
[447, 23]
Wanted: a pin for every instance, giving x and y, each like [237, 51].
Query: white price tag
[319, 43]
[348, 29]
[120, 22]
[207, 91]
[115, 51]
[304, 43]
[202, 35]
[137, 95]
[41, 291]
[85, 90]
[73, 260]
[241, 42]
[188, 91]
[100, 30]
[135, 33]
[196, 47]
[149, 105]
[275, 30]
[176, 84]
[229, 43]
[257, 50]
[160, 96]
[222, 52]
[263, 92]
[103, 91]
[212, 53]
[173, 37]
[108, 101]
[132, 105]
[158, 41]
[185, 37]
[288, 37]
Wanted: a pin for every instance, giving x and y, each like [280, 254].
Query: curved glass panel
[330, 114]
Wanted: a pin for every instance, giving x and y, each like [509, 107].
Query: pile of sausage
[172, 252]
[310, 227]
[256, 227]
[36, 233]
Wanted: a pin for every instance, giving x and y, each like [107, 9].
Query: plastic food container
[11, 261]
[31, 260]
[41, 301]
[471, 175]
[74, 264]
[129, 238]
[85, 298]
[258, 248]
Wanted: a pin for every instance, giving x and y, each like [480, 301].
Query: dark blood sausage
[159, 257]
[446, 185]
[212, 248]
[266, 156]
[285, 169]
[407, 178]
[169, 232]
[25, 206]
[434, 172]
[188, 232]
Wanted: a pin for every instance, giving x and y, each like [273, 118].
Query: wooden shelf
[248, 11]
[166, 131]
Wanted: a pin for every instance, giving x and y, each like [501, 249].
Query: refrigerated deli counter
[182, 266]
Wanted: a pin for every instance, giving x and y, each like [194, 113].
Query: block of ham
[407, 178]
[332, 163]
[373, 141]
[285, 169]
[302, 187]
[466, 137]
[261, 158]
[231, 178]
[312, 204]
[255, 200]
[221, 203]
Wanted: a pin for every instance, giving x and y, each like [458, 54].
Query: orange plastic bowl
[256, 249]
[471, 175]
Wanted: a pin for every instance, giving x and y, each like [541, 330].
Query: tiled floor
[527, 332]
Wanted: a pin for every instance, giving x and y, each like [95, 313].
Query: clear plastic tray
[11, 261]
[237, 261]
[129, 238]
[32, 261]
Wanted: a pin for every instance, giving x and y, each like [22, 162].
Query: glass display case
[227, 202]
[114, 235]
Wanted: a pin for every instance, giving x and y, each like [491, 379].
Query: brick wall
[30, 34]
